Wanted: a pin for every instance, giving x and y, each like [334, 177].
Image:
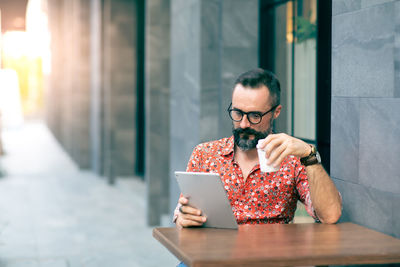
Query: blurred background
[103, 100]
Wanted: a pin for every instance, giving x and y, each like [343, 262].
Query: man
[258, 197]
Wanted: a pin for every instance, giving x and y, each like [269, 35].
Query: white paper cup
[264, 167]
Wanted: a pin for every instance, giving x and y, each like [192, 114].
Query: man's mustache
[246, 132]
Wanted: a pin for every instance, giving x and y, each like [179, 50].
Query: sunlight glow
[38, 32]
[28, 53]
[10, 103]
[15, 44]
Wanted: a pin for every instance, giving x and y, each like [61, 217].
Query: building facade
[135, 85]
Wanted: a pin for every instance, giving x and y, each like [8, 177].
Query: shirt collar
[229, 146]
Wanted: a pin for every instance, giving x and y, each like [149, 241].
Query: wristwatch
[313, 158]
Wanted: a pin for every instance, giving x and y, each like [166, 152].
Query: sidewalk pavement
[53, 214]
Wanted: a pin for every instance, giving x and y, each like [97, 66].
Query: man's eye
[236, 113]
[255, 116]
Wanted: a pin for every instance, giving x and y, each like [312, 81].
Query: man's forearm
[324, 195]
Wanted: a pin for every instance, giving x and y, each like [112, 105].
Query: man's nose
[244, 123]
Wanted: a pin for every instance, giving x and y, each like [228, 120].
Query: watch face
[313, 149]
[318, 157]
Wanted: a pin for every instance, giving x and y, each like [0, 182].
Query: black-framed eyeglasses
[254, 117]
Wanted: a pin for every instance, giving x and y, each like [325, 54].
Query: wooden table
[280, 245]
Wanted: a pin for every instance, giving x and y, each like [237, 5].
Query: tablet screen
[206, 192]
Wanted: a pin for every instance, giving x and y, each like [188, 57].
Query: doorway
[295, 43]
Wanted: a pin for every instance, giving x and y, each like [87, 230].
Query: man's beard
[241, 137]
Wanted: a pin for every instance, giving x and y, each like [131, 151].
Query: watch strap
[310, 161]
[312, 158]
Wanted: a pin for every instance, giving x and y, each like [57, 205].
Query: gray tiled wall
[120, 88]
[379, 143]
[157, 109]
[68, 93]
[397, 50]
[363, 40]
[365, 147]
[51, 97]
[212, 42]
[69, 98]
[345, 134]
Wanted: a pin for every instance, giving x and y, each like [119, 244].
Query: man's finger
[271, 137]
[183, 200]
[278, 161]
[200, 219]
[276, 153]
[271, 146]
[183, 221]
[185, 209]
[188, 223]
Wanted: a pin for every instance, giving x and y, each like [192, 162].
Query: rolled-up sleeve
[303, 190]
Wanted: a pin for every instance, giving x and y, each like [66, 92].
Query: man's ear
[277, 111]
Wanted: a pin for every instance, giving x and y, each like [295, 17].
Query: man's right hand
[188, 216]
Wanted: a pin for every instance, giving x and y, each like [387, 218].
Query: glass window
[293, 27]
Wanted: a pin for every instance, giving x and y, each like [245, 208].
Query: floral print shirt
[261, 197]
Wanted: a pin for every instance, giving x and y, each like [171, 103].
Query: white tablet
[207, 193]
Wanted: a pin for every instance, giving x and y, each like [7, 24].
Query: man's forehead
[250, 97]
[260, 86]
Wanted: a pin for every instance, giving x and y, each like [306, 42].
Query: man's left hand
[278, 146]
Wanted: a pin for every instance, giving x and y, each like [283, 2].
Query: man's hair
[258, 77]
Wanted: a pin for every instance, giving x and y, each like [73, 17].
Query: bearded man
[258, 197]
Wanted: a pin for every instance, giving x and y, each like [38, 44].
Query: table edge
[357, 259]
[170, 246]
